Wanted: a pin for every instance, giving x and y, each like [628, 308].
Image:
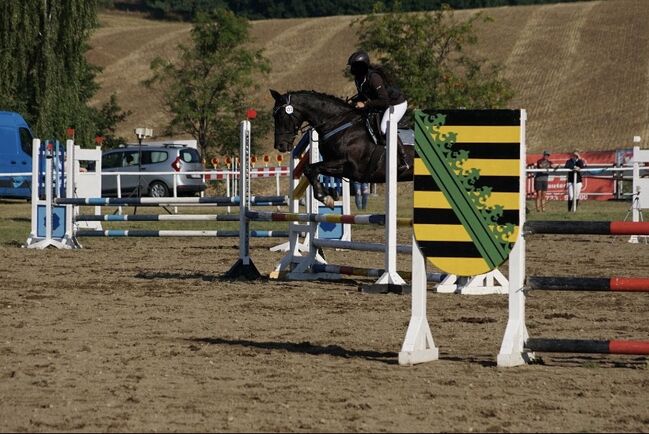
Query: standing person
[573, 182]
[541, 180]
[375, 92]
[361, 193]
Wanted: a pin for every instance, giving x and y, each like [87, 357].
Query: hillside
[581, 70]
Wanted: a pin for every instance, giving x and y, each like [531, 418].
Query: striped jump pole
[614, 284]
[358, 245]
[155, 201]
[301, 188]
[517, 347]
[368, 272]
[586, 228]
[178, 233]
[157, 218]
[615, 346]
[359, 219]
[244, 266]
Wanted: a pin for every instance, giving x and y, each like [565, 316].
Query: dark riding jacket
[571, 164]
[376, 92]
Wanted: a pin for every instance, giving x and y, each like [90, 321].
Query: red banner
[593, 187]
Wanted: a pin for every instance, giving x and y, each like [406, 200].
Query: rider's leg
[399, 111]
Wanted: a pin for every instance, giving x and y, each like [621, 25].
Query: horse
[346, 146]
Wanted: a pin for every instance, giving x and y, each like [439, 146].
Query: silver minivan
[149, 158]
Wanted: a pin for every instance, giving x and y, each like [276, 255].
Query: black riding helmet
[359, 57]
[359, 63]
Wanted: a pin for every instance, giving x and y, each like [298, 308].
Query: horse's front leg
[312, 172]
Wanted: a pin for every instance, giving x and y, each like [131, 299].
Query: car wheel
[158, 189]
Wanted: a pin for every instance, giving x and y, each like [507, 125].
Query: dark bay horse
[346, 147]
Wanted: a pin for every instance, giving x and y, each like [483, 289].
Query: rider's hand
[360, 104]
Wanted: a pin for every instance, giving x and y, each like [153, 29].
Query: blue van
[15, 156]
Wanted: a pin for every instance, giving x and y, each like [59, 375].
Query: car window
[154, 157]
[190, 156]
[131, 158]
[111, 160]
[26, 141]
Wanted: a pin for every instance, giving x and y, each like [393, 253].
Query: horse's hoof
[329, 202]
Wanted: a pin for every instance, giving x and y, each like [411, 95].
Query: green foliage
[207, 90]
[43, 71]
[107, 117]
[426, 55]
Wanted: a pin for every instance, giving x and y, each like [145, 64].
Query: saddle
[373, 126]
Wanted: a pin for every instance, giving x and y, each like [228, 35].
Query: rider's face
[358, 69]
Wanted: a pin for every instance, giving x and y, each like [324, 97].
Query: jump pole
[640, 198]
[300, 155]
[307, 152]
[418, 345]
[390, 281]
[244, 265]
[593, 346]
[390, 278]
[34, 241]
[517, 347]
[511, 350]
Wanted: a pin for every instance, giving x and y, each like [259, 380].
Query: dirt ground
[144, 335]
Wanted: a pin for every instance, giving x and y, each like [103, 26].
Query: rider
[376, 93]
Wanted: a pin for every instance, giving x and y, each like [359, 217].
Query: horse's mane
[332, 98]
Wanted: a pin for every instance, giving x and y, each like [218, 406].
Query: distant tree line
[207, 88]
[264, 9]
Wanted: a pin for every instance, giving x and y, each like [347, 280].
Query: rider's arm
[356, 98]
[382, 100]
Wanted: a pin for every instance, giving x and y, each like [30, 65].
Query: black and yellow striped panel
[492, 139]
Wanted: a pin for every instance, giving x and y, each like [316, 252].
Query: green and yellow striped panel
[451, 216]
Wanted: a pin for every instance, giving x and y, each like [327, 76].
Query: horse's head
[287, 121]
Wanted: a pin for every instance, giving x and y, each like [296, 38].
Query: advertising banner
[595, 187]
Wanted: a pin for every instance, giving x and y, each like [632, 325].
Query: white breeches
[399, 111]
[574, 191]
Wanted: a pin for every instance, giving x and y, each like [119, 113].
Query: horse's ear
[276, 95]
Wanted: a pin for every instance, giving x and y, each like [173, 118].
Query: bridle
[295, 122]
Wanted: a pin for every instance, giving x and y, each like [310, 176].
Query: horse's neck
[319, 113]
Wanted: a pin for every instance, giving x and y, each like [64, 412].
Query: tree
[43, 71]
[207, 90]
[426, 54]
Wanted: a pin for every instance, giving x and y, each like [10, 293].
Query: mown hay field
[581, 70]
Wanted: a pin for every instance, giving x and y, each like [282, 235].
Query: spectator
[361, 193]
[541, 181]
[573, 182]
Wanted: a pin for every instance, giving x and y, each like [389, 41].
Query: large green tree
[428, 56]
[208, 88]
[43, 71]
